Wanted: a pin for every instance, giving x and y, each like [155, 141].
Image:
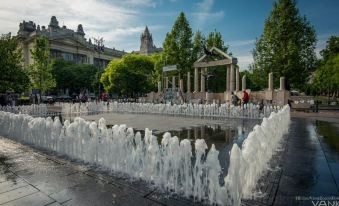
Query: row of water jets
[197, 110]
[170, 165]
[33, 109]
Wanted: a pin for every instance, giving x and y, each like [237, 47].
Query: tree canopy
[332, 48]
[75, 77]
[178, 45]
[13, 76]
[286, 47]
[326, 77]
[218, 81]
[132, 75]
[40, 72]
[182, 50]
[215, 39]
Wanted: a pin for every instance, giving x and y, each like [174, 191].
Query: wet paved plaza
[306, 166]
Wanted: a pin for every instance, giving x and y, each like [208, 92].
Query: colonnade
[232, 80]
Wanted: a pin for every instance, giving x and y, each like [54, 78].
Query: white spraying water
[170, 165]
[195, 110]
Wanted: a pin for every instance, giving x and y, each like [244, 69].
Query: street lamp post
[99, 47]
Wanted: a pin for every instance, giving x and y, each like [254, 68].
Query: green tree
[40, 71]
[198, 42]
[75, 77]
[131, 75]
[178, 45]
[326, 77]
[286, 47]
[332, 48]
[218, 82]
[13, 77]
[215, 39]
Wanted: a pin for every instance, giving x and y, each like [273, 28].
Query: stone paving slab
[20, 192]
[36, 199]
[11, 185]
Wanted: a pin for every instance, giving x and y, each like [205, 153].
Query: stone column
[188, 82]
[159, 86]
[270, 81]
[173, 83]
[237, 79]
[282, 83]
[91, 59]
[196, 79]
[243, 83]
[166, 82]
[228, 78]
[202, 80]
[232, 78]
[181, 85]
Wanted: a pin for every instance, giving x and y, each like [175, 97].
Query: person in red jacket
[245, 97]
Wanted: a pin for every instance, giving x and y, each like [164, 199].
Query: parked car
[295, 93]
[64, 98]
[47, 99]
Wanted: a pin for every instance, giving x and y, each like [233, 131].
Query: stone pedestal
[196, 79]
[282, 97]
[227, 96]
[243, 83]
[270, 81]
[269, 95]
[282, 83]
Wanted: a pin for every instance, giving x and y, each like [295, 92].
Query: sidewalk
[305, 168]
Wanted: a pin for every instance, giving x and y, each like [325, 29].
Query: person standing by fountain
[245, 98]
[235, 99]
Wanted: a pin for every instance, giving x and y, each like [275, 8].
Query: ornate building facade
[65, 44]
[146, 46]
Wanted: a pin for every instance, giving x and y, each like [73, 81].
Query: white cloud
[202, 17]
[203, 12]
[241, 43]
[244, 60]
[143, 3]
[112, 21]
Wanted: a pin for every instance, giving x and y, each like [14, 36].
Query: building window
[67, 56]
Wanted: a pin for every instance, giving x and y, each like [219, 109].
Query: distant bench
[305, 107]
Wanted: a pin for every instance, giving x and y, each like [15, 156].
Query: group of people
[236, 100]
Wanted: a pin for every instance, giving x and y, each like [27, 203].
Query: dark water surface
[222, 135]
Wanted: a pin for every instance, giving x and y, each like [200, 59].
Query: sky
[121, 22]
